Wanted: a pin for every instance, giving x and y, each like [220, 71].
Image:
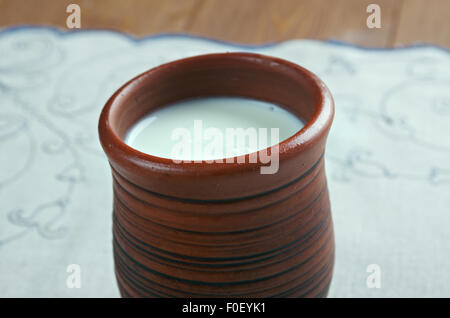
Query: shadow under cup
[222, 229]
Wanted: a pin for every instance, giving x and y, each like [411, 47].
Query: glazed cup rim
[313, 130]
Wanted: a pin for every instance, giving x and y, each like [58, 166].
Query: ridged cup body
[222, 229]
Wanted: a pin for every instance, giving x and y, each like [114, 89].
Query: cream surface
[212, 128]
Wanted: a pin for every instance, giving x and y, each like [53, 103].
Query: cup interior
[231, 74]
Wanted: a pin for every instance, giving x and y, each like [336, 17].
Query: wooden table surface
[249, 21]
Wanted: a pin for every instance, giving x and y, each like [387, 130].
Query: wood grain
[259, 21]
[137, 17]
[424, 21]
[249, 21]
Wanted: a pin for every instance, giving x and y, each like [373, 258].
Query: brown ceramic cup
[222, 229]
